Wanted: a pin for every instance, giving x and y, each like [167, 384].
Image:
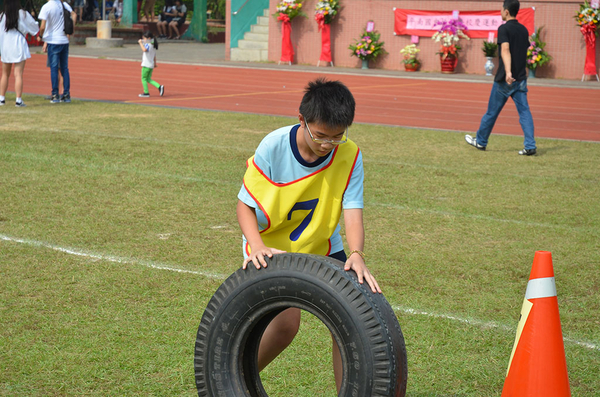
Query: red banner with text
[480, 23]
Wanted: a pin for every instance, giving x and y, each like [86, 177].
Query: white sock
[2, 98]
[19, 100]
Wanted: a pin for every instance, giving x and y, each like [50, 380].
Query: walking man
[52, 31]
[510, 81]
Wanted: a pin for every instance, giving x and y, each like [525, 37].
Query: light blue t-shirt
[278, 157]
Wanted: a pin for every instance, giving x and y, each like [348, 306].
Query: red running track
[566, 113]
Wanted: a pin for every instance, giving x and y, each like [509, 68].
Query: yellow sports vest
[303, 214]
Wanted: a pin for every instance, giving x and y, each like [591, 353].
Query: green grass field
[117, 224]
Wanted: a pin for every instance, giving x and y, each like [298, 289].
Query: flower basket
[411, 63]
[286, 11]
[367, 47]
[449, 35]
[325, 11]
[536, 54]
[588, 19]
[449, 63]
[413, 67]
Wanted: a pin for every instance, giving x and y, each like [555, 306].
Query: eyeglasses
[331, 141]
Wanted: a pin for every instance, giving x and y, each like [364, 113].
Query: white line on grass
[484, 324]
[216, 276]
[110, 258]
[477, 216]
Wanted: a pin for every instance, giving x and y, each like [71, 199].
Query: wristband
[362, 254]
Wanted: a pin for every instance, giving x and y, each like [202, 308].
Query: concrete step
[256, 36]
[263, 21]
[259, 29]
[253, 45]
[241, 54]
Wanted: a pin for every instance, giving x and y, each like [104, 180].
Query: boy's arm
[42, 29]
[249, 225]
[355, 235]
[507, 59]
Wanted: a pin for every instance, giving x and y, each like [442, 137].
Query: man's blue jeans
[59, 54]
[498, 97]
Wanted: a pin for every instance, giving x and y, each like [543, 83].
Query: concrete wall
[565, 43]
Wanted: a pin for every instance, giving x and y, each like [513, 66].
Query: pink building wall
[564, 41]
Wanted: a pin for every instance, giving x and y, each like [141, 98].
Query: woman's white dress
[13, 45]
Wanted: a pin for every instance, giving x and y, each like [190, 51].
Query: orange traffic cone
[537, 365]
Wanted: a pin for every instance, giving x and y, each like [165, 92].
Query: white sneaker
[473, 142]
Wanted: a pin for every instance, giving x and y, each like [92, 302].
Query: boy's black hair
[148, 34]
[328, 102]
[512, 6]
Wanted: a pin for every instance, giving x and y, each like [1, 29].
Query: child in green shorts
[149, 46]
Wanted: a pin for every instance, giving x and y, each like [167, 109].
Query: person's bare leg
[19, 67]
[147, 11]
[176, 30]
[6, 69]
[278, 335]
[60, 82]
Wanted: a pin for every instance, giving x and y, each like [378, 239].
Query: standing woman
[15, 23]
[149, 10]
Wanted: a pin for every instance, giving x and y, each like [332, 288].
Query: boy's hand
[257, 256]
[356, 263]
[509, 78]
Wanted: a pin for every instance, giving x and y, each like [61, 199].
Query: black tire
[363, 324]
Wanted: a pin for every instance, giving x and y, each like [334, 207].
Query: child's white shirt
[148, 56]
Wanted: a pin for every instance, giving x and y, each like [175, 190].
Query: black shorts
[340, 256]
